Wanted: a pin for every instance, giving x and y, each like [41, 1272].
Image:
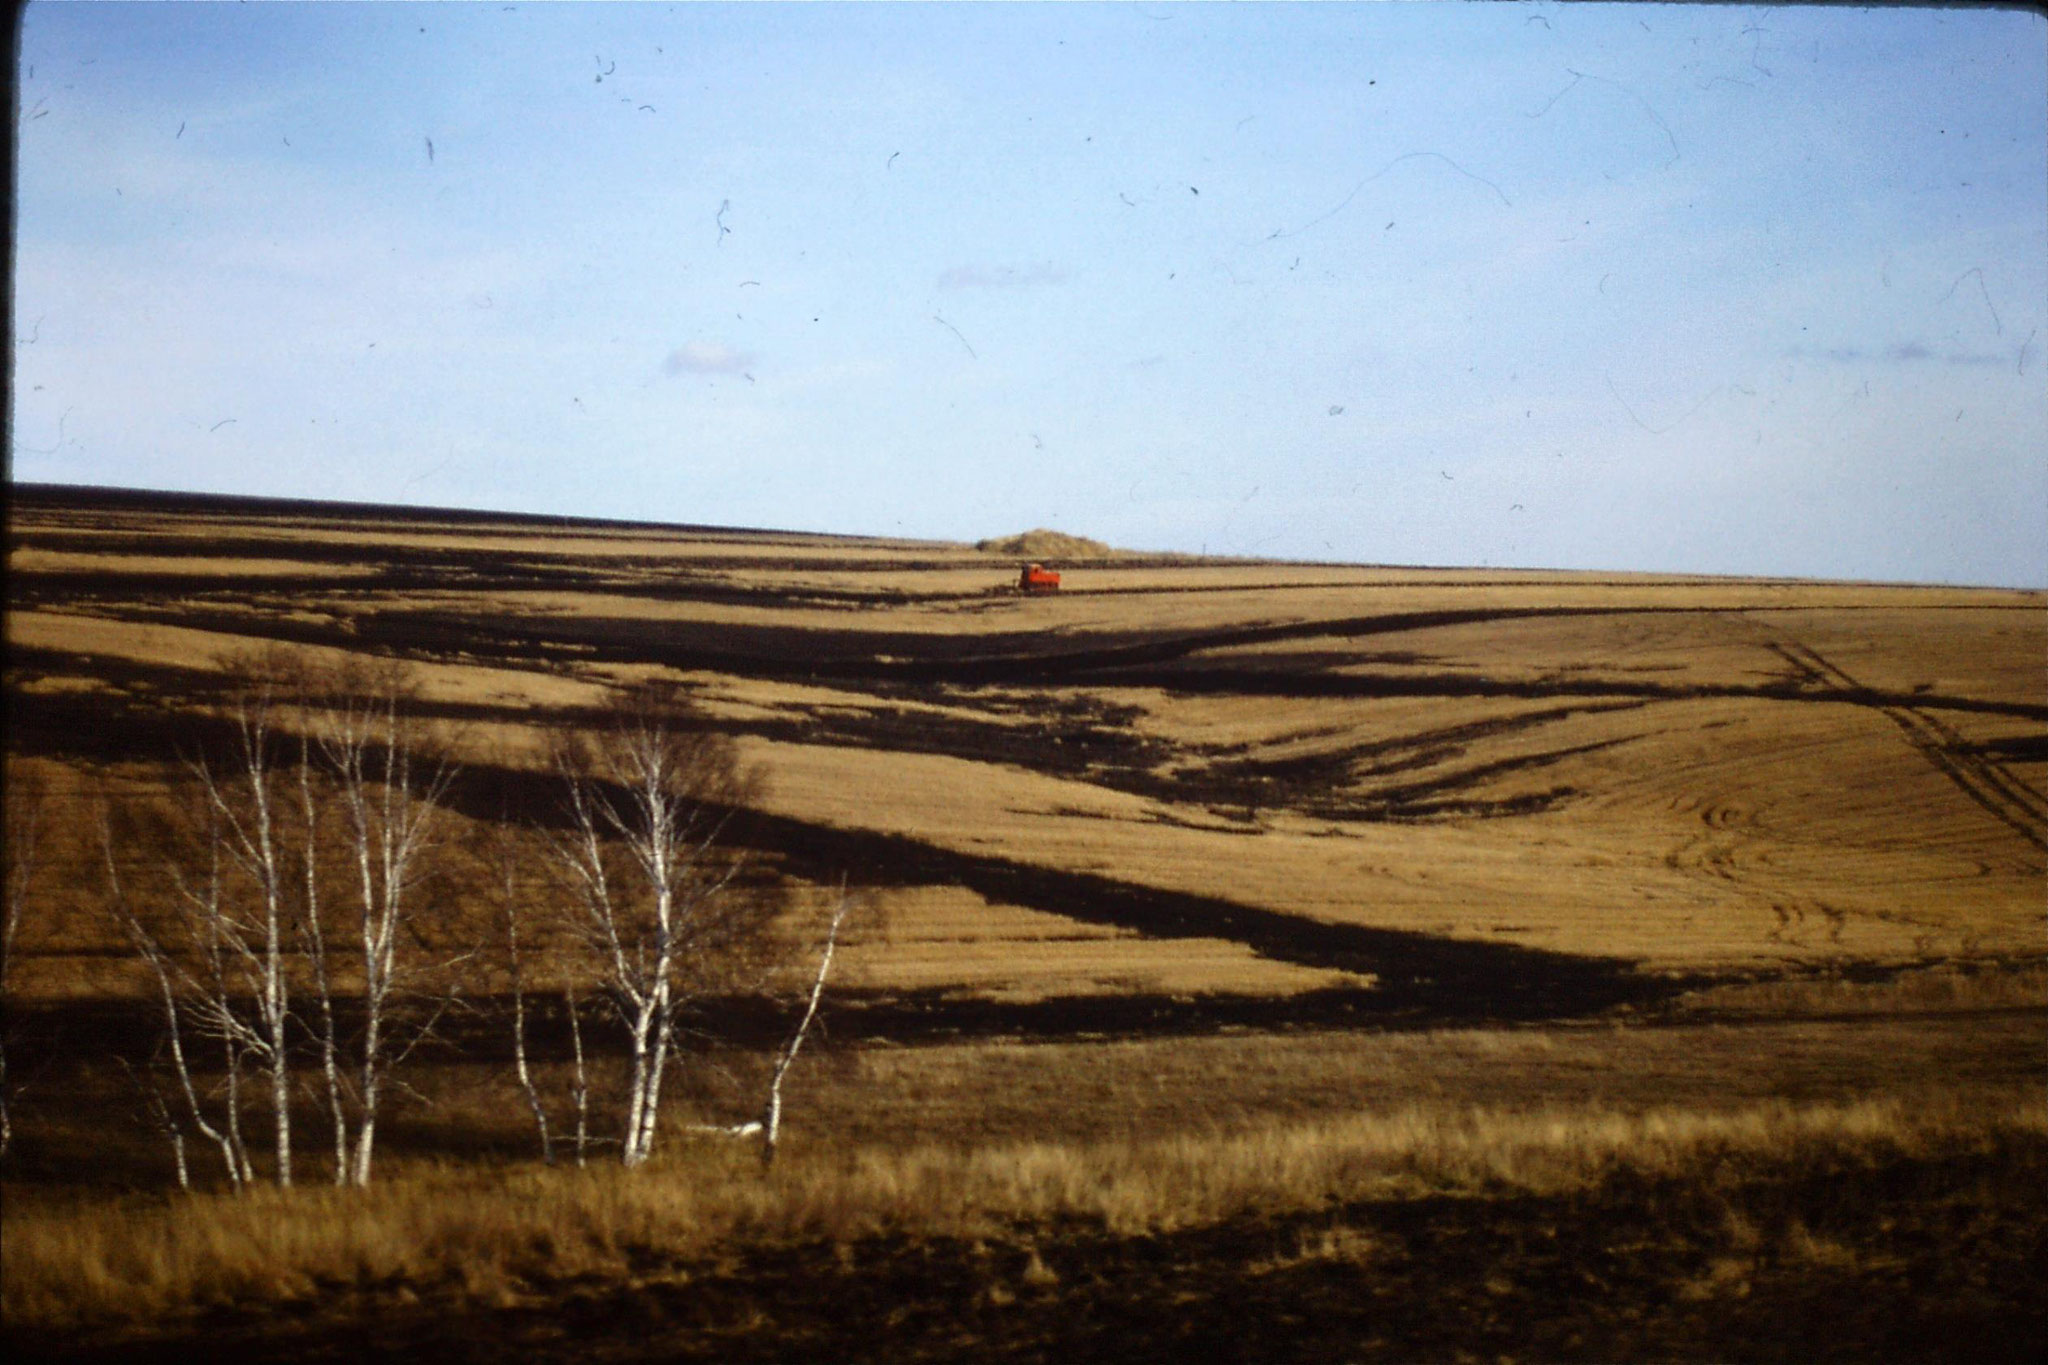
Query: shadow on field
[1418, 975]
[1419, 978]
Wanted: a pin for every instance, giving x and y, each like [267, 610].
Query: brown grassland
[1253, 960]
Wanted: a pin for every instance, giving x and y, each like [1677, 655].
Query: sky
[1677, 288]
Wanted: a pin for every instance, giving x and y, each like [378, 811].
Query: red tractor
[1037, 578]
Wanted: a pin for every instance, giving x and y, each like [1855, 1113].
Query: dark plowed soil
[1895, 1261]
[74, 498]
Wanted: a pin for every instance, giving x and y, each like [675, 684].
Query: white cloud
[1002, 276]
[706, 357]
[1909, 352]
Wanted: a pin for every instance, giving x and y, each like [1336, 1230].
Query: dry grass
[1044, 544]
[496, 1236]
[1934, 991]
[991, 1093]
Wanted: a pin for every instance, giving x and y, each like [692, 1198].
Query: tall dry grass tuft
[493, 1235]
[1944, 989]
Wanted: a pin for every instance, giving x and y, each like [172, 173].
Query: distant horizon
[426, 511]
[1681, 288]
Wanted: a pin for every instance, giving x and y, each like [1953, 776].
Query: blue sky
[1751, 290]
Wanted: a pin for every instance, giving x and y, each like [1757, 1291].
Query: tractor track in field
[1985, 781]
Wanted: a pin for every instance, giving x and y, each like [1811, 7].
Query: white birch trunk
[771, 1115]
[250, 836]
[276, 1002]
[645, 880]
[370, 749]
[169, 977]
[581, 1079]
[508, 890]
[323, 980]
[636, 1091]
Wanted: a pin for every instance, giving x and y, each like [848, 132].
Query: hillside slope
[1175, 776]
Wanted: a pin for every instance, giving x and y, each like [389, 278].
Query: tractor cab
[1037, 578]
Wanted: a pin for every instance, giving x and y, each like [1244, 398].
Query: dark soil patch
[322, 515]
[2018, 749]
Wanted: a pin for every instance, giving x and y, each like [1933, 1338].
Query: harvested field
[1189, 851]
[1363, 746]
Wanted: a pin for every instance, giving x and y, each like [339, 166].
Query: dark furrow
[1468, 777]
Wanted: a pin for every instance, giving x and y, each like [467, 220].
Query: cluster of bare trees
[300, 907]
[649, 892]
[277, 881]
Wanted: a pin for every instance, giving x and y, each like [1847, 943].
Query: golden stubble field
[1685, 774]
[1195, 866]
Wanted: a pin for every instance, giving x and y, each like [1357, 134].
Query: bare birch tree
[512, 916]
[652, 892]
[528, 916]
[203, 966]
[238, 793]
[161, 1115]
[785, 1057]
[228, 964]
[387, 781]
[579, 1079]
[497, 853]
[313, 931]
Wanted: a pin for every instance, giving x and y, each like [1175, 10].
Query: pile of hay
[1044, 544]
